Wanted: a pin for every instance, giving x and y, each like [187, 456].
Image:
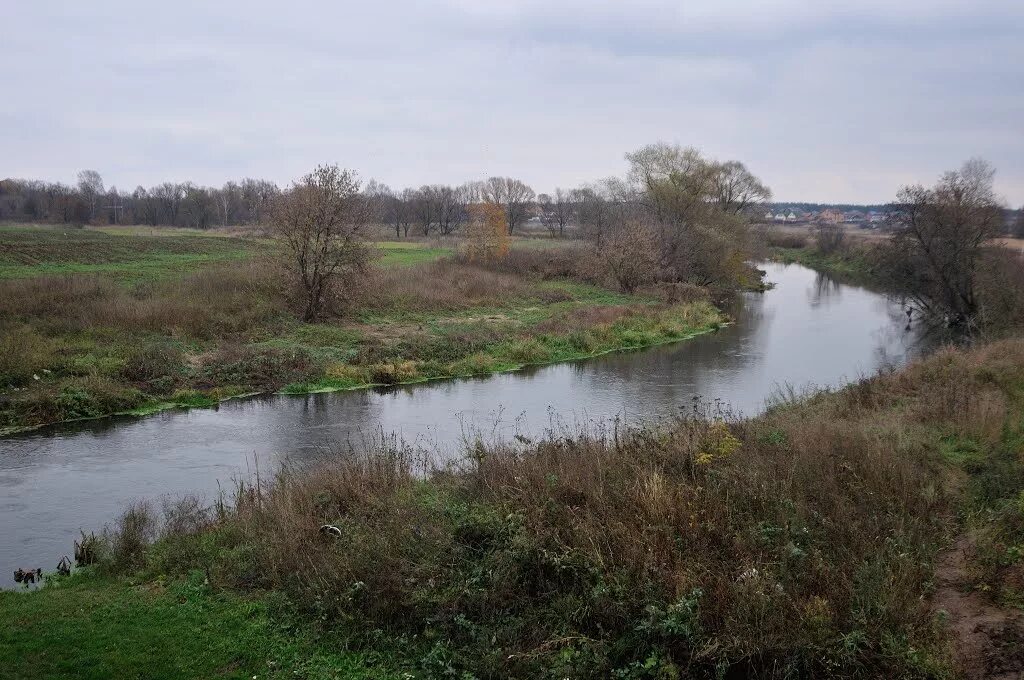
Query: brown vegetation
[446, 284]
[322, 222]
[776, 238]
[487, 234]
[802, 542]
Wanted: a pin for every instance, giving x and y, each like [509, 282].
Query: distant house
[769, 216]
[875, 217]
[853, 216]
[791, 216]
[830, 216]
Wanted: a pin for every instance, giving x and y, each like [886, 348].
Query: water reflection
[808, 331]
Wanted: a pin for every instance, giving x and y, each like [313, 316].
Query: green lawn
[400, 254]
[126, 256]
[94, 627]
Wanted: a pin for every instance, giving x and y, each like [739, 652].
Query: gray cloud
[825, 100]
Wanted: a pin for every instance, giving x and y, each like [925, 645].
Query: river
[808, 331]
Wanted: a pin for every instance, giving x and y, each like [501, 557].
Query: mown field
[852, 534]
[133, 320]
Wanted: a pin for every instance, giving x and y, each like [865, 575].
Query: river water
[808, 331]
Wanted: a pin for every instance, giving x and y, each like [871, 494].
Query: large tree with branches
[322, 221]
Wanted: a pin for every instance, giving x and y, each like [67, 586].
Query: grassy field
[133, 320]
[850, 534]
[129, 256]
[98, 628]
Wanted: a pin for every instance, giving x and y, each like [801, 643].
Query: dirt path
[989, 640]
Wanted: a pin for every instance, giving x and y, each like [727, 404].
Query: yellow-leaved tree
[487, 232]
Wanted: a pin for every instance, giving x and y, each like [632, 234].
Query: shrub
[775, 238]
[157, 365]
[829, 238]
[131, 535]
[26, 355]
[253, 367]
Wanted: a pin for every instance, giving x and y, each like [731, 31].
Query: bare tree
[450, 204]
[513, 195]
[199, 205]
[424, 209]
[322, 221]
[939, 240]
[402, 210]
[90, 185]
[258, 196]
[562, 210]
[1018, 225]
[169, 196]
[736, 189]
[830, 238]
[595, 212]
[229, 203]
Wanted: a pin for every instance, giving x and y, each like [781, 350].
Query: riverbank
[132, 322]
[852, 264]
[804, 541]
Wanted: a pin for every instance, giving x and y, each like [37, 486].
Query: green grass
[95, 627]
[135, 254]
[449, 354]
[125, 256]
[400, 254]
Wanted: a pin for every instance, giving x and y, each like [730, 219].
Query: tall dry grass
[205, 304]
[443, 285]
[797, 544]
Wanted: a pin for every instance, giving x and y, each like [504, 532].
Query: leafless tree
[595, 212]
[424, 209]
[829, 238]
[450, 206]
[147, 208]
[90, 185]
[514, 195]
[258, 196]
[169, 197]
[199, 206]
[736, 189]
[322, 221]
[229, 203]
[1018, 225]
[939, 240]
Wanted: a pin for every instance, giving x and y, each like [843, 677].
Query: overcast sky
[825, 101]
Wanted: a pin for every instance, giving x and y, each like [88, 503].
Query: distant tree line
[181, 204]
[433, 209]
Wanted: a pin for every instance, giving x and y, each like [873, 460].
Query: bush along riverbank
[812, 541]
[85, 345]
